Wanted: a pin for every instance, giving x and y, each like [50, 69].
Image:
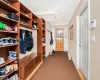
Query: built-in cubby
[13, 17]
[25, 16]
[42, 37]
[9, 39]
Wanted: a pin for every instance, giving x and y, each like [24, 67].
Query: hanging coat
[28, 41]
[22, 49]
[51, 41]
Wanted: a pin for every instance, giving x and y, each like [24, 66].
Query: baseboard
[81, 74]
[47, 55]
[69, 56]
[33, 72]
[66, 51]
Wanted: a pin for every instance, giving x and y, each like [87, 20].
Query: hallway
[57, 67]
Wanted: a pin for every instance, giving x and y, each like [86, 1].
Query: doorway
[83, 42]
[59, 35]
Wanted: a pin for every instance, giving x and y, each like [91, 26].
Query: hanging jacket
[51, 41]
[28, 41]
[22, 49]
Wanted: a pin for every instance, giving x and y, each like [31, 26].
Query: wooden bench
[27, 65]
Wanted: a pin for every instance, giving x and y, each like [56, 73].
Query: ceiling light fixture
[56, 8]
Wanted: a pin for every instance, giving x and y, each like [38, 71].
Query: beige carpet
[57, 67]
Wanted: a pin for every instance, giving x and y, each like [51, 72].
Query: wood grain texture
[81, 74]
[59, 42]
[34, 71]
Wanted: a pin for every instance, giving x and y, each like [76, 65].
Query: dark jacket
[22, 49]
[26, 41]
[51, 41]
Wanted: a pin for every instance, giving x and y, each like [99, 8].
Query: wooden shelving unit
[25, 16]
[42, 38]
[28, 20]
[11, 7]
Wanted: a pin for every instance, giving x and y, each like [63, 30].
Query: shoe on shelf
[1, 42]
[5, 41]
[10, 41]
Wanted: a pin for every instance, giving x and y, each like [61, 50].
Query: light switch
[93, 24]
[93, 39]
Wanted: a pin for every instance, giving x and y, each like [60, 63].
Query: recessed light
[56, 7]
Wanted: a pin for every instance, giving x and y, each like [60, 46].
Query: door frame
[84, 5]
[63, 37]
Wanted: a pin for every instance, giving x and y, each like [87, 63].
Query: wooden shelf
[8, 45]
[24, 25]
[8, 74]
[23, 8]
[35, 28]
[7, 7]
[24, 16]
[3, 31]
[8, 19]
[34, 16]
[7, 61]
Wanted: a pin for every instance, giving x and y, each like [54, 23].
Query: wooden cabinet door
[59, 32]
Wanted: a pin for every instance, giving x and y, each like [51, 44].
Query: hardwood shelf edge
[8, 19]
[8, 74]
[25, 16]
[25, 28]
[7, 61]
[24, 25]
[2, 46]
[35, 28]
[4, 31]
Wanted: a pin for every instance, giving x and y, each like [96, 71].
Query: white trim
[77, 39]
[34, 71]
[89, 40]
[85, 4]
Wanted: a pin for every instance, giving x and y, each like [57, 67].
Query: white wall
[65, 36]
[72, 49]
[48, 37]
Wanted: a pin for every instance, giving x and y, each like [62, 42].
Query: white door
[84, 43]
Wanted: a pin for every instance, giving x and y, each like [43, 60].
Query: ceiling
[57, 12]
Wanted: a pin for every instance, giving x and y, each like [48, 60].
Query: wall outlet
[93, 39]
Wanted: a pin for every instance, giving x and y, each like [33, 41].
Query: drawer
[37, 59]
[29, 66]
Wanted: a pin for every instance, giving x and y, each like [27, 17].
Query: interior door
[59, 39]
[84, 43]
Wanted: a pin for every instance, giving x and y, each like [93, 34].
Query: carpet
[57, 67]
